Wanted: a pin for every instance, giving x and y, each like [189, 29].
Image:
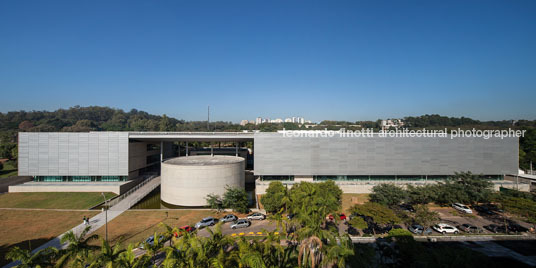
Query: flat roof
[204, 160]
[191, 136]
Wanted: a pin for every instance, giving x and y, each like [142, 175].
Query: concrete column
[161, 151]
[186, 148]
[236, 149]
[211, 150]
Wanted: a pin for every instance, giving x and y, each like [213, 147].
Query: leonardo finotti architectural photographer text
[407, 133]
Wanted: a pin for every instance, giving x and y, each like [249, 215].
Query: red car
[342, 217]
[185, 228]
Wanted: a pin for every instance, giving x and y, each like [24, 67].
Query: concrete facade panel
[73, 154]
[279, 155]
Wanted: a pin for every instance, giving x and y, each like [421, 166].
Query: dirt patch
[135, 226]
[349, 200]
[30, 228]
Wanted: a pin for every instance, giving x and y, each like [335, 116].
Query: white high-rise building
[258, 121]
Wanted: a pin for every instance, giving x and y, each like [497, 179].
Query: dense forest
[95, 118]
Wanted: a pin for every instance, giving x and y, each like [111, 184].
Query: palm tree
[153, 248]
[108, 256]
[310, 250]
[78, 248]
[27, 259]
[338, 251]
[249, 254]
[274, 254]
[169, 232]
[127, 259]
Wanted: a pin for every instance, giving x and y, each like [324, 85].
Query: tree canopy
[388, 194]
[276, 197]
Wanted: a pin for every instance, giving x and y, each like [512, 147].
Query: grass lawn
[135, 226]
[33, 228]
[51, 200]
[348, 200]
[8, 171]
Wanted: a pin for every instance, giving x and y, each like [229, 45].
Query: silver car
[208, 221]
[229, 218]
[241, 223]
[256, 216]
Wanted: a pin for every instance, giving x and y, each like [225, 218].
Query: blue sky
[340, 60]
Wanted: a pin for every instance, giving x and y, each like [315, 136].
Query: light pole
[105, 217]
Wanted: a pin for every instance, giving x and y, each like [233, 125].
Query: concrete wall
[98, 187]
[137, 157]
[188, 185]
[365, 187]
[279, 155]
[73, 154]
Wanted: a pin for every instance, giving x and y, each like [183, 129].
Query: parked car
[187, 228]
[469, 228]
[256, 216]
[445, 228]
[241, 223]
[407, 207]
[462, 208]
[484, 210]
[494, 228]
[516, 228]
[290, 216]
[208, 221]
[229, 218]
[150, 241]
[374, 228]
[342, 216]
[352, 231]
[419, 229]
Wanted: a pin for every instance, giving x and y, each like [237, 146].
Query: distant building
[244, 122]
[288, 120]
[391, 123]
[258, 121]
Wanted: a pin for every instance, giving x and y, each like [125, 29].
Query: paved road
[256, 226]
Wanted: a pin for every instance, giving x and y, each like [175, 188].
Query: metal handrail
[141, 196]
[115, 201]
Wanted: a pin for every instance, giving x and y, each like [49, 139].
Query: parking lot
[256, 226]
[455, 218]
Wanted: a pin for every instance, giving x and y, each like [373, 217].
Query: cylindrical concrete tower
[186, 181]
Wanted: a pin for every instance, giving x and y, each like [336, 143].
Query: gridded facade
[102, 155]
[360, 158]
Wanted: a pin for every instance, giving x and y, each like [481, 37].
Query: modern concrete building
[355, 163]
[186, 181]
